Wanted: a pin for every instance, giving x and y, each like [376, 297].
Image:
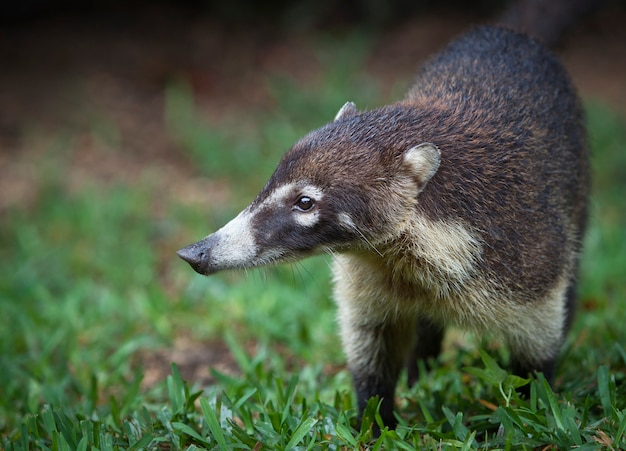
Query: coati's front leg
[376, 335]
[376, 352]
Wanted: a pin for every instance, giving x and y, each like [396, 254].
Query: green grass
[89, 284]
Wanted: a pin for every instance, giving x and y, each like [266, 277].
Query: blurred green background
[127, 134]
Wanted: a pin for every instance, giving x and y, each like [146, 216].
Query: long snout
[198, 256]
[231, 247]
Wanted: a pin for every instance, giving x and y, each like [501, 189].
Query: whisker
[332, 254]
[302, 267]
[299, 267]
[338, 261]
[352, 225]
[294, 279]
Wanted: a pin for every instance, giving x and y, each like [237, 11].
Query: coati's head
[349, 185]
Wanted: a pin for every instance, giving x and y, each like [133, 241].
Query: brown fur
[463, 204]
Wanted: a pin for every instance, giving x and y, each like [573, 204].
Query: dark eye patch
[304, 203]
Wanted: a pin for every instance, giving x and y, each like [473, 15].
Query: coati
[462, 204]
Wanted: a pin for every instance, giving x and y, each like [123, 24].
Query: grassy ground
[90, 286]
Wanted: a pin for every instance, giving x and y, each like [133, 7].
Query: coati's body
[462, 204]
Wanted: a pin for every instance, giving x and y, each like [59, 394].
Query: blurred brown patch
[194, 359]
[94, 85]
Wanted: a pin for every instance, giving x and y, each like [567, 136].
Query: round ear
[422, 162]
[347, 110]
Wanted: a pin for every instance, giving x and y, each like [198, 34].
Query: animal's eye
[304, 203]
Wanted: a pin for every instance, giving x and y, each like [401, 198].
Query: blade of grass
[604, 390]
[186, 429]
[303, 429]
[213, 423]
[288, 397]
[345, 434]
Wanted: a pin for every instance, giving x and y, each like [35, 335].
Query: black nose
[196, 255]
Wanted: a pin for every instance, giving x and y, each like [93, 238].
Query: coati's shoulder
[503, 112]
